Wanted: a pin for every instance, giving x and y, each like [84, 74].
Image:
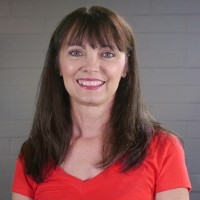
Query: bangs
[98, 29]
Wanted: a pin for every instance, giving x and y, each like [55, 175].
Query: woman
[92, 137]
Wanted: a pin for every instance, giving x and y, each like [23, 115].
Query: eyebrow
[108, 46]
[98, 46]
[75, 44]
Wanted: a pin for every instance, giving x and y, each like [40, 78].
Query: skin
[101, 63]
[90, 105]
[175, 194]
[90, 108]
[16, 196]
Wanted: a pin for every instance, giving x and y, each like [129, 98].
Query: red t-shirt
[163, 169]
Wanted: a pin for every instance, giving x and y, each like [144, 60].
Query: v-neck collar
[97, 178]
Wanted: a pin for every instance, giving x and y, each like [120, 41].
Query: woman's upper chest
[109, 184]
[82, 159]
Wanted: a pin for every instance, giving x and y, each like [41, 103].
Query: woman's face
[91, 75]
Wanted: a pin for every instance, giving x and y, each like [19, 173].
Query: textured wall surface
[168, 44]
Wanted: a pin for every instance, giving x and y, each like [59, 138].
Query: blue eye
[108, 54]
[75, 53]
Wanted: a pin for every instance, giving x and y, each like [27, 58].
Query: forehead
[92, 40]
[97, 34]
[98, 30]
[86, 42]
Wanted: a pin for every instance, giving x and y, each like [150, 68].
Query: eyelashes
[108, 54]
[78, 53]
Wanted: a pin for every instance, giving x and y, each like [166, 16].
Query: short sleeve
[22, 184]
[172, 167]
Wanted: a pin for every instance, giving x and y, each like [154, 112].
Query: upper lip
[90, 79]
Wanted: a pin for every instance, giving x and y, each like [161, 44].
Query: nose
[91, 63]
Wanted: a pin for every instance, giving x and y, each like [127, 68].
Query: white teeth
[90, 83]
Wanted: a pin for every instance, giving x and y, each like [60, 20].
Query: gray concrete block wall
[168, 44]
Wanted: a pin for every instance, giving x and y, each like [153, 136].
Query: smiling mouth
[90, 83]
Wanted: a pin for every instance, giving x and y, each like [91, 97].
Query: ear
[124, 74]
[60, 71]
[125, 70]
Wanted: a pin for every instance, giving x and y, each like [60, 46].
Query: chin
[97, 102]
[91, 103]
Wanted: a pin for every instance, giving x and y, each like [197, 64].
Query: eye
[108, 54]
[76, 53]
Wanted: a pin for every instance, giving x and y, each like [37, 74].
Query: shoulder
[165, 136]
[166, 156]
[165, 148]
[23, 183]
[163, 139]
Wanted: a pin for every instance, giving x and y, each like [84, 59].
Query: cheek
[115, 71]
[67, 69]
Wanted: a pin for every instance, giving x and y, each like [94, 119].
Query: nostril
[90, 69]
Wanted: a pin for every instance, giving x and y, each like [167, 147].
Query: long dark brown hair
[130, 126]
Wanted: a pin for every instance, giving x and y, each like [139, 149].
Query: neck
[89, 121]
